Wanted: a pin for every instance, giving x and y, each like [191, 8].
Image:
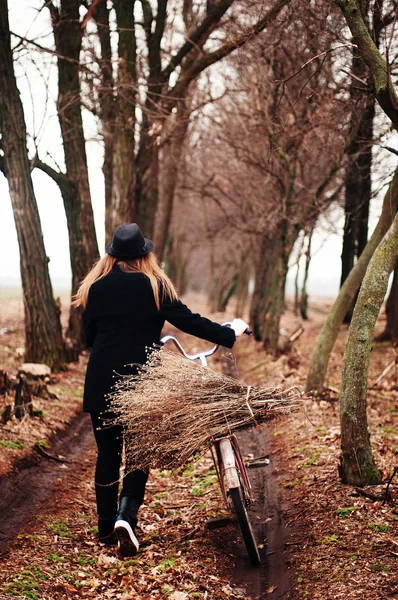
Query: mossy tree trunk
[382, 86]
[391, 329]
[357, 465]
[358, 183]
[43, 334]
[331, 327]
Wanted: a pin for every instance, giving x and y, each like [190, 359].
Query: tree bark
[267, 304]
[304, 294]
[331, 327]
[242, 288]
[383, 88]
[172, 152]
[391, 329]
[79, 214]
[122, 208]
[43, 334]
[357, 465]
[108, 110]
[358, 188]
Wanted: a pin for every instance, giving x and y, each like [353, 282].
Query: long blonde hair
[147, 264]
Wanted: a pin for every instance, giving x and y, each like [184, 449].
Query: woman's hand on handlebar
[239, 326]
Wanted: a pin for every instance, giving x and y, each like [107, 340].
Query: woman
[127, 298]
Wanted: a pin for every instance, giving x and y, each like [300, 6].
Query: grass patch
[55, 558]
[330, 540]
[12, 445]
[60, 528]
[344, 512]
[379, 567]
[383, 528]
[167, 564]
[25, 584]
[42, 444]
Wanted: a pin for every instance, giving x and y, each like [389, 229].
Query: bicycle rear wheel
[238, 501]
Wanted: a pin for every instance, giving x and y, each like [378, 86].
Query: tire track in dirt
[273, 578]
[22, 492]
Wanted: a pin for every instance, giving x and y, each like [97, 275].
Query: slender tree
[357, 464]
[83, 245]
[331, 327]
[358, 178]
[43, 334]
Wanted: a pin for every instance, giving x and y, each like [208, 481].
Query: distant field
[15, 293]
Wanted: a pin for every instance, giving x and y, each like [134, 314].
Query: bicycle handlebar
[200, 355]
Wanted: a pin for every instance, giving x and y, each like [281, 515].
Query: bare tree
[43, 334]
[274, 155]
[153, 82]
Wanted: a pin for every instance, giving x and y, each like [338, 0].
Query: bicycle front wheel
[245, 525]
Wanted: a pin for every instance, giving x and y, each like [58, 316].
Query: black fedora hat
[128, 242]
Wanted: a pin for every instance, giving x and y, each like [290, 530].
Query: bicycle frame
[230, 468]
[225, 451]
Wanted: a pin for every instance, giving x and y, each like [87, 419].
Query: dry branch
[172, 408]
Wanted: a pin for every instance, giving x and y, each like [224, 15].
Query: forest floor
[330, 541]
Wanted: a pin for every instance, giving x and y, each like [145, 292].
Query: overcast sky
[325, 265]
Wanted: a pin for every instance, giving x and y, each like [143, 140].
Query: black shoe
[128, 543]
[108, 540]
[106, 533]
[126, 521]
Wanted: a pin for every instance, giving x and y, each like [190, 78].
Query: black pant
[110, 444]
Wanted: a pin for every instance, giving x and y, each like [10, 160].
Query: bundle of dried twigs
[174, 407]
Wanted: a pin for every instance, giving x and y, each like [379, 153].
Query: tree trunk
[331, 327]
[276, 303]
[43, 334]
[304, 295]
[108, 110]
[79, 214]
[296, 278]
[176, 265]
[171, 158]
[268, 299]
[267, 303]
[391, 330]
[358, 183]
[147, 188]
[358, 191]
[263, 265]
[122, 208]
[242, 288]
[357, 465]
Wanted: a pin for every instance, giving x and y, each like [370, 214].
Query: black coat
[121, 319]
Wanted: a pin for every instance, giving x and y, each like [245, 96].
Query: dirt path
[50, 514]
[22, 492]
[273, 578]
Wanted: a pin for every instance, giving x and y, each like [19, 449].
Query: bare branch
[378, 67]
[213, 57]
[199, 36]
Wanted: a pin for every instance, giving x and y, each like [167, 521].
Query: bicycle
[230, 467]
